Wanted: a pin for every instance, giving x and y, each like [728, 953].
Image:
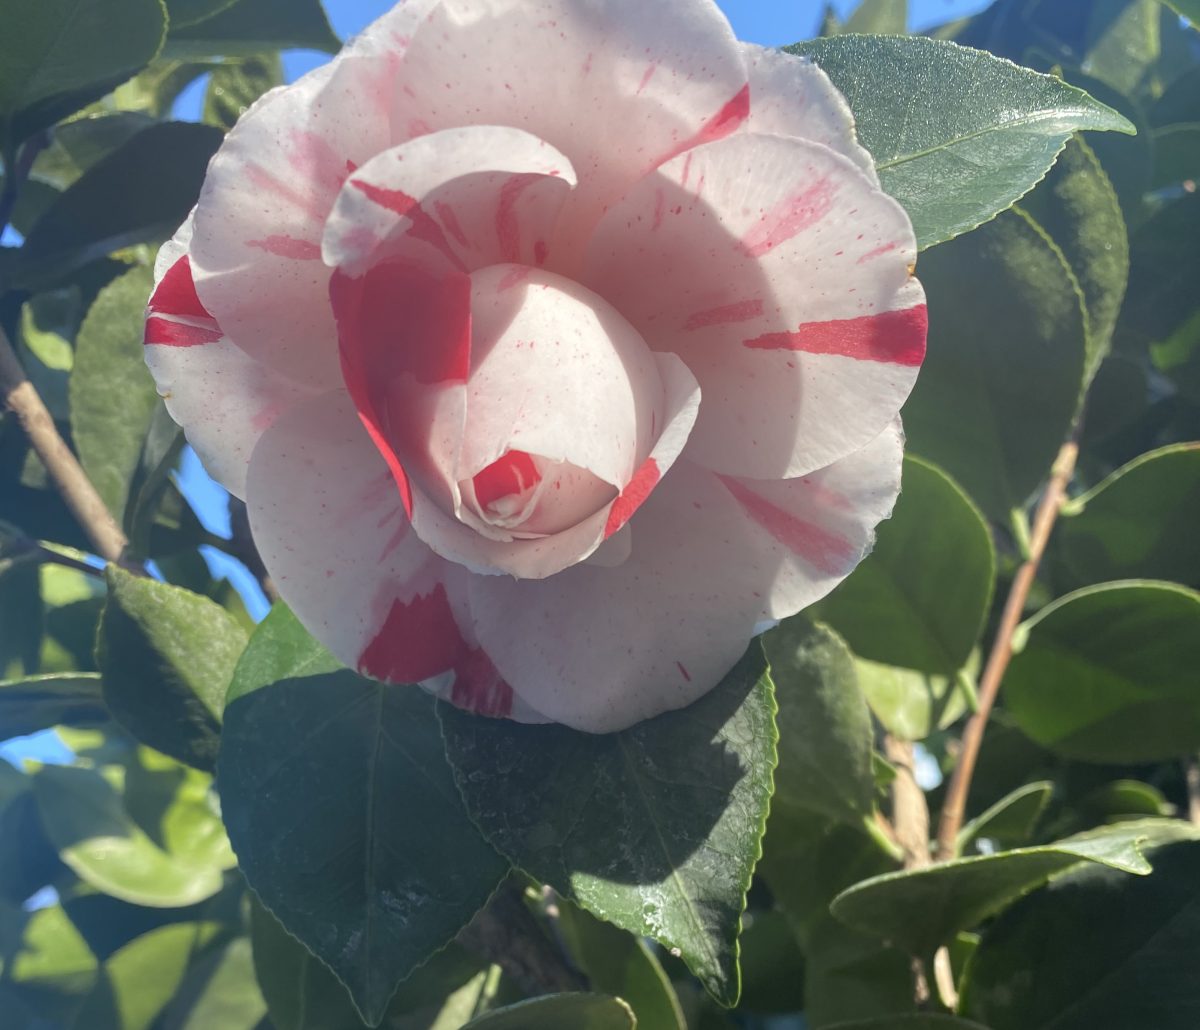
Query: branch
[955, 805]
[506, 933]
[64, 469]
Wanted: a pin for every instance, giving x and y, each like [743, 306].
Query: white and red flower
[556, 347]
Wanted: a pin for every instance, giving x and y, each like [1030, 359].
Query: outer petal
[791, 96]
[602, 648]
[222, 396]
[350, 565]
[257, 246]
[782, 276]
[618, 86]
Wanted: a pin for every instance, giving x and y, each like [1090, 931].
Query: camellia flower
[556, 347]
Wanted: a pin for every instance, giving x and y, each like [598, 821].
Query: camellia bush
[731, 517]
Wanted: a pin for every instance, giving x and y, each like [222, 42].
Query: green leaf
[1100, 677]
[923, 908]
[1176, 154]
[344, 814]
[167, 657]
[112, 394]
[1139, 523]
[806, 861]
[921, 1021]
[957, 134]
[1162, 295]
[138, 982]
[825, 733]
[1189, 9]
[919, 599]
[43, 702]
[251, 26]
[1002, 301]
[1012, 819]
[77, 145]
[190, 12]
[1095, 949]
[155, 90]
[772, 965]
[102, 845]
[57, 56]
[879, 16]
[1078, 208]
[235, 85]
[1123, 43]
[655, 829]
[49, 958]
[579, 1011]
[140, 193]
[619, 963]
[219, 990]
[910, 704]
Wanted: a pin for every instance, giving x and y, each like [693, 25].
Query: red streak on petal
[508, 228]
[870, 255]
[724, 123]
[742, 311]
[423, 227]
[288, 247]
[176, 293]
[823, 550]
[419, 640]
[450, 220]
[644, 480]
[897, 337]
[512, 473]
[660, 208]
[683, 671]
[789, 218]
[540, 252]
[311, 205]
[514, 278]
[646, 77]
[177, 334]
[396, 539]
[479, 688]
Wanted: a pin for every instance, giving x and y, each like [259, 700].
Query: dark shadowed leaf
[188, 12]
[1106, 674]
[919, 598]
[251, 26]
[43, 702]
[556, 1011]
[1002, 301]
[1011, 820]
[1140, 523]
[344, 814]
[57, 56]
[1096, 949]
[655, 829]
[167, 656]
[921, 1021]
[957, 134]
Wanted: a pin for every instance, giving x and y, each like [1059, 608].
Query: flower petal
[791, 96]
[257, 247]
[618, 86]
[713, 559]
[782, 276]
[222, 397]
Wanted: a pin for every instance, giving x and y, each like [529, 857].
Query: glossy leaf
[825, 733]
[112, 394]
[918, 600]
[1100, 674]
[623, 965]
[102, 845]
[251, 26]
[967, 134]
[1095, 949]
[57, 56]
[140, 193]
[136, 983]
[167, 657]
[344, 814]
[579, 1011]
[43, 702]
[1012, 819]
[1140, 522]
[923, 908]
[1078, 208]
[655, 829]
[1002, 301]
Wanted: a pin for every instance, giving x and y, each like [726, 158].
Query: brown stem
[62, 466]
[910, 812]
[506, 933]
[955, 806]
[24, 549]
